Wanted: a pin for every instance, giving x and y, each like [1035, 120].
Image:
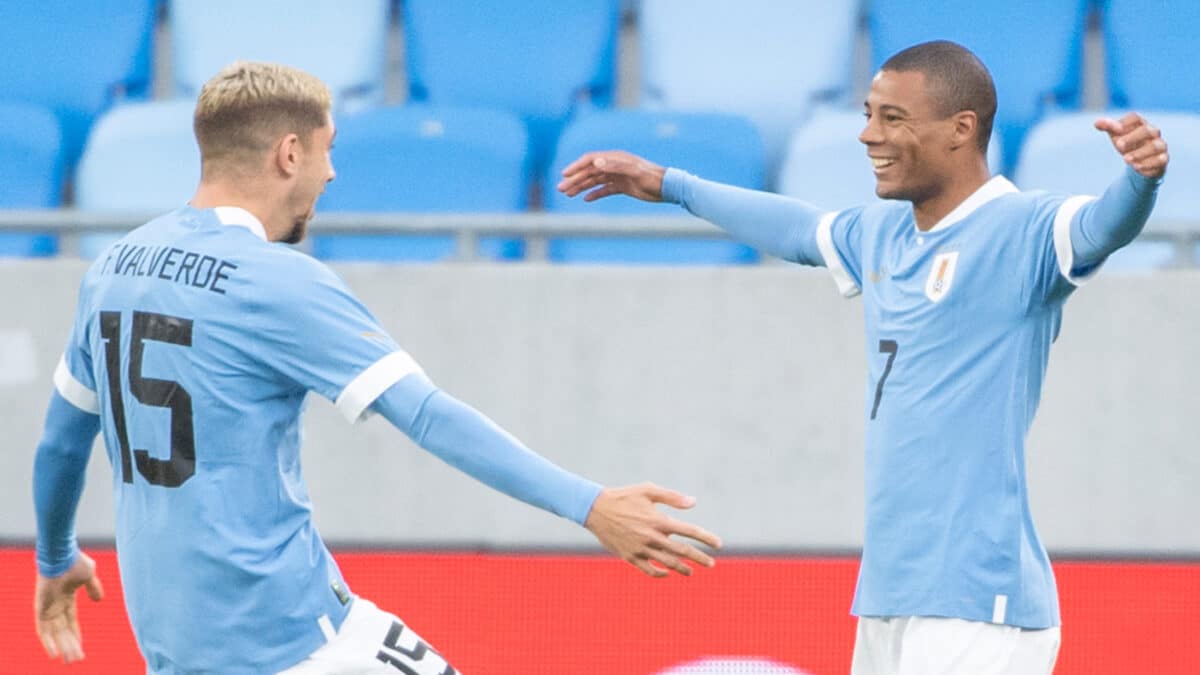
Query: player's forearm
[58, 473]
[470, 442]
[781, 226]
[1113, 220]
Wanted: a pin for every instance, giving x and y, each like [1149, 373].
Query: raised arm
[58, 472]
[781, 226]
[625, 520]
[1118, 216]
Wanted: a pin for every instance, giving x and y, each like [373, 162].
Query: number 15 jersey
[959, 322]
[196, 341]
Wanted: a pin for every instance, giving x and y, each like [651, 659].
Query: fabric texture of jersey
[959, 324]
[197, 340]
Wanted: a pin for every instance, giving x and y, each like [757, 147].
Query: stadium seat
[343, 43]
[1151, 52]
[538, 58]
[31, 172]
[764, 59]
[425, 159]
[1065, 153]
[827, 165]
[76, 58]
[1033, 49]
[720, 147]
[141, 159]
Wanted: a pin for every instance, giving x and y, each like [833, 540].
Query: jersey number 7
[174, 471]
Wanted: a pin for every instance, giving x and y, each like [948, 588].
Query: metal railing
[535, 229]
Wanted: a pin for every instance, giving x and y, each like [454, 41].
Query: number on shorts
[412, 661]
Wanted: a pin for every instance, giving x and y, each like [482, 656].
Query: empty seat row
[421, 159]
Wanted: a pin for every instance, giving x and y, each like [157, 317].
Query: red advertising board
[515, 613]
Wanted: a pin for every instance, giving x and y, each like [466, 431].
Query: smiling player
[963, 279]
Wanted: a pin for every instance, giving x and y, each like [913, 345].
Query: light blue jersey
[196, 341]
[959, 323]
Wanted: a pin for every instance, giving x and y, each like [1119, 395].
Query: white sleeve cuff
[372, 382]
[833, 261]
[76, 392]
[1062, 239]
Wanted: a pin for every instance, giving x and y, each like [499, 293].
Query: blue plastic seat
[1033, 49]
[826, 164]
[1064, 153]
[76, 58]
[141, 159]
[343, 43]
[31, 173]
[725, 148]
[425, 159]
[767, 60]
[1151, 51]
[538, 58]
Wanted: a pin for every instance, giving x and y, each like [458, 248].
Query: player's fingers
[1136, 136]
[1144, 151]
[95, 590]
[1109, 126]
[650, 570]
[585, 161]
[601, 193]
[1130, 120]
[579, 182]
[669, 561]
[1154, 166]
[683, 550]
[694, 532]
[69, 647]
[46, 635]
[667, 496]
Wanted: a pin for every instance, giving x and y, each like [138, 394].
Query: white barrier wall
[743, 386]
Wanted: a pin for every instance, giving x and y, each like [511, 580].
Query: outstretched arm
[58, 472]
[1118, 216]
[625, 520]
[781, 226]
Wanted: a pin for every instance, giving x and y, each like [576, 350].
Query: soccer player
[963, 279]
[196, 340]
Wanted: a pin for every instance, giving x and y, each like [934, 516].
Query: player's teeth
[880, 163]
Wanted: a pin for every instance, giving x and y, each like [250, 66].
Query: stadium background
[738, 383]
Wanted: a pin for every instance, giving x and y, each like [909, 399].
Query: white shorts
[373, 642]
[937, 646]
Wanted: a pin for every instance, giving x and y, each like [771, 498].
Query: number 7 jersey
[959, 323]
[196, 341]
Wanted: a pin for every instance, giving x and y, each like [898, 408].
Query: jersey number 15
[174, 471]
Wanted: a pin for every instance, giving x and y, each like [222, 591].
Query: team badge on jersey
[941, 277]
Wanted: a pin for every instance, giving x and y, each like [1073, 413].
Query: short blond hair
[244, 108]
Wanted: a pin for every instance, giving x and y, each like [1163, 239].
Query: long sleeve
[470, 442]
[1112, 221]
[777, 225]
[58, 473]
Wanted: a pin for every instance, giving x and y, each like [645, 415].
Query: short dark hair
[957, 80]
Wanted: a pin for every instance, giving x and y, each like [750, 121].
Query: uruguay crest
[941, 277]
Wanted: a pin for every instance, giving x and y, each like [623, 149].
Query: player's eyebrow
[889, 108]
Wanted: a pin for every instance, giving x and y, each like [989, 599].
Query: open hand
[1140, 143]
[627, 523]
[54, 609]
[616, 173]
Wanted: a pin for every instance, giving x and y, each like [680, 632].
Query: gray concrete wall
[742, 386]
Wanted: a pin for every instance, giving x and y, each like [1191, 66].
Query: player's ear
[287, 154]
[966, 126]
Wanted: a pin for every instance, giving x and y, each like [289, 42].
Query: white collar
[235, 215]
[997, 186]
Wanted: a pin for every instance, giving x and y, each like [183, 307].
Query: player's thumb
[95, 590]
[1108, 125]
[663, 495]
